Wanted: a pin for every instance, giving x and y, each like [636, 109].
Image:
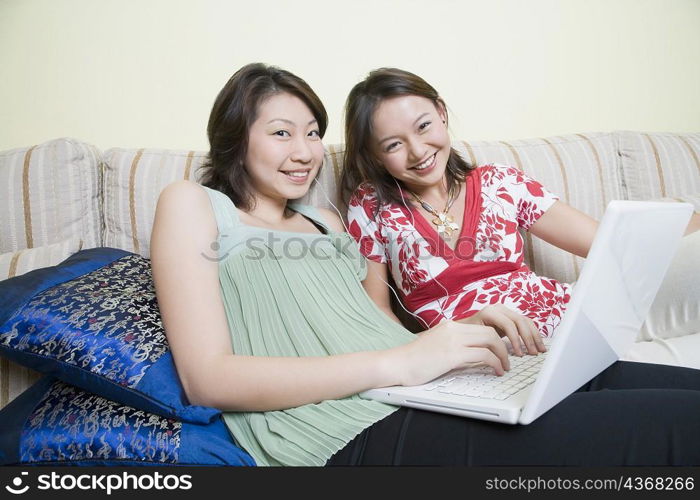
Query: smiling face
[284, 148]
[411, 141]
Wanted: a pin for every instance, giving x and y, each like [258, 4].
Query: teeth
[297, 174]
[425, 164]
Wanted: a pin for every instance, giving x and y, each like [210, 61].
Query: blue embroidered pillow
[53, 423]
[93, 322]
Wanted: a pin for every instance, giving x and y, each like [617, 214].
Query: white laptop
[633, 248]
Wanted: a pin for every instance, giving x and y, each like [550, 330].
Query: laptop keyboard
[482, 383]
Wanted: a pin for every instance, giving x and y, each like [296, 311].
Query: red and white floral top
[486, 267]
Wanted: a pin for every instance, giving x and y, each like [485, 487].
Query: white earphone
[342, 220]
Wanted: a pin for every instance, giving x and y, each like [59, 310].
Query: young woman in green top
[263, 306]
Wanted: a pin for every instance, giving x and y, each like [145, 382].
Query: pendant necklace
[443, 220]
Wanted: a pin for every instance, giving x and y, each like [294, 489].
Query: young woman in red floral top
[447, 231]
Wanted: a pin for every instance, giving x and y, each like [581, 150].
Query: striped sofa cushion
[693, 199]
[660, 165]
[133, 180]
[22, 261]
[53, 194]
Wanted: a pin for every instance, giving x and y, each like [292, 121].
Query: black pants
[630, 414]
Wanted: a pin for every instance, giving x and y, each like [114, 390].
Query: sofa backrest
[51, 193]
[660, 165]
[65, 188]
[133, 180]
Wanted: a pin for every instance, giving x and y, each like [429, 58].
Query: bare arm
[567, 228]
[694, 224]
[192, 311]
[375, 285]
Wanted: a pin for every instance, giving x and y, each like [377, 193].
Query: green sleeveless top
[298, 294]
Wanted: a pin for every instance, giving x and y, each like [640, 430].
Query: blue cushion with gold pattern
[53, 423]
[93, 322]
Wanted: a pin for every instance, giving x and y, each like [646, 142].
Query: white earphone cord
[342, 221]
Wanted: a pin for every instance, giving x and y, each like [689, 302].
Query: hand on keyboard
[445, 347]
[519, 329]
[479, 381]
[511, 349]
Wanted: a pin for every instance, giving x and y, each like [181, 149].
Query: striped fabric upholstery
[325, 192]
[133, 181]
[660, 165]
[14, 380]
[684, 198]
[52, 193]
[15, 263]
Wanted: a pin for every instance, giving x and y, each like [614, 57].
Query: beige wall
[145, 72]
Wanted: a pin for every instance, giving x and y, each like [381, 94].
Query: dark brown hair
[234, 111]
[359, 162]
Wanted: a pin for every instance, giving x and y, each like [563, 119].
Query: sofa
[64, 195]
